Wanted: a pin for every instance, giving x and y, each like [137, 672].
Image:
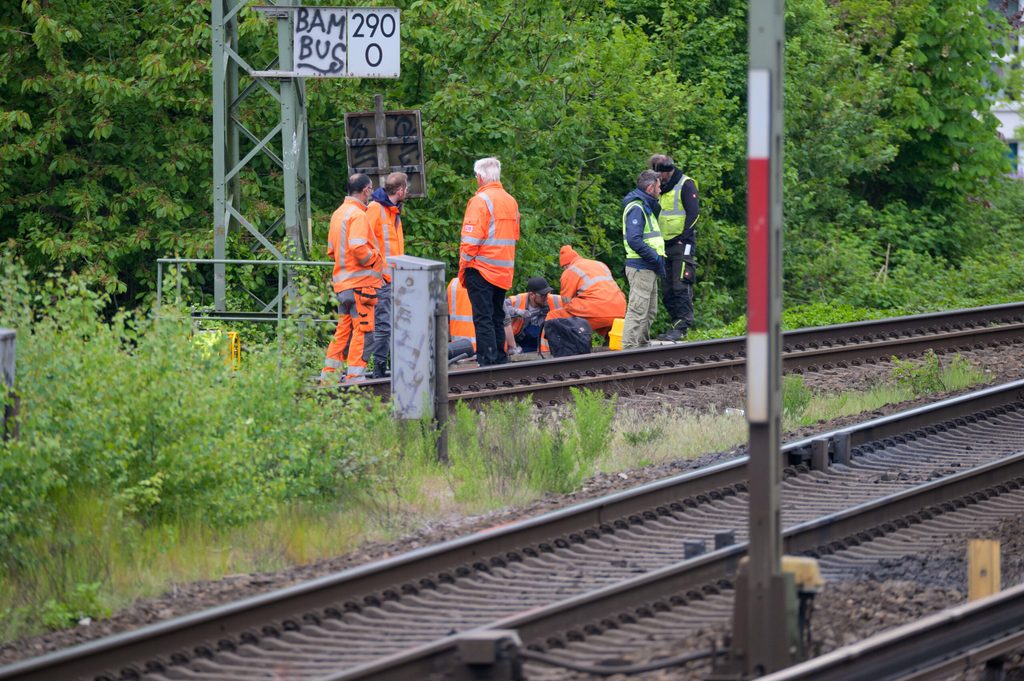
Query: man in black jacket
[680, 209]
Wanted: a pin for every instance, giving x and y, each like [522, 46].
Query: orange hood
[567, 255]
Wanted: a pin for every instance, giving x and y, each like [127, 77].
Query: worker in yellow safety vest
[680, 209]
[645, 258]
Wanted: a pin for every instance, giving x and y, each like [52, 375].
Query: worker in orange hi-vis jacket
[487, 254]
[385, 217]
[358, 274]
[588, 291]
[460, 314]
[525, 314]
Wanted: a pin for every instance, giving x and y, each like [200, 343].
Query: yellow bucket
[615, 335]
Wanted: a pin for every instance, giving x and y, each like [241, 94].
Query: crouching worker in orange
[588, 291]
[358, 274]
[461, 332]
[525, 314]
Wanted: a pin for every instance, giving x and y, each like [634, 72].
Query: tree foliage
[891, 154]
[104, 136]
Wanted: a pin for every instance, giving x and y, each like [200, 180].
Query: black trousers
[678, 290]
[488, 303]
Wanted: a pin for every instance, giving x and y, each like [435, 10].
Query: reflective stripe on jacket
[386, 226]
[590, 290]
[490, 230]
[357, 263]
[673, 215]
[651, 232]
[460, 313]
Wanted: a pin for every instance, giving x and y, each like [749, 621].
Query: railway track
[947, 645]
[688, 365]
[626, 547]
[675, 607]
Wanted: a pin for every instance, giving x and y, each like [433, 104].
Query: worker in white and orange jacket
[487, 254]
[525, 314]
[357, 275]
[588, 291]
[385, 217]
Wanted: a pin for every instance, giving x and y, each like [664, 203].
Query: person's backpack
[568, 336]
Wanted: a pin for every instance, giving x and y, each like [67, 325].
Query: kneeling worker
[461, 332]
[588, 291]
[525, 314]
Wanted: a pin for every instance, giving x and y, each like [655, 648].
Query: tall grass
[507, 452]
[641, 440]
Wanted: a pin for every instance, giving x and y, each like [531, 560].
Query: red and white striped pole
[761, 624]
[758, 243]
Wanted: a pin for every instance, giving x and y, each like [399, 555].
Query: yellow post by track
[983, 569]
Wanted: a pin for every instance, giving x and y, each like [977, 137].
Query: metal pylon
[230, 71]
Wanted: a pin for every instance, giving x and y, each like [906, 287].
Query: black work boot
[676, 333]
[378, 370]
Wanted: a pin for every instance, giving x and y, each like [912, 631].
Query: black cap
[538, 285]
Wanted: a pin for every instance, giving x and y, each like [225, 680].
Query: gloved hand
[515, 351]
[662, 272]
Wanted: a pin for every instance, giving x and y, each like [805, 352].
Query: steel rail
[385, 579]
[654, 590]
[684, 365]
[947, 642]
[657, 379]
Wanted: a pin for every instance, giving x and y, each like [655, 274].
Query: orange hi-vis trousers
[348, 347]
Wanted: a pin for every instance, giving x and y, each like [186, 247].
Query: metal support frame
[441, 371]
[228, 129]
[271, 311]
[9, 406]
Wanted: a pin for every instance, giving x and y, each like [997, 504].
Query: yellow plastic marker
[615, 335]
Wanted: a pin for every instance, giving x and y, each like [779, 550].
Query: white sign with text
[346, 42]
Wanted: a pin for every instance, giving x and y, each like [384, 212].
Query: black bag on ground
[568, 336]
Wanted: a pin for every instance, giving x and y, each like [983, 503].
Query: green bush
[643, 436]
[929, 376]
[506, 447]
[918, 377]
[130, 410]
[84, 601]
[795, 395]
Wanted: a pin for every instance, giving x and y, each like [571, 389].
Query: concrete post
[417, 375]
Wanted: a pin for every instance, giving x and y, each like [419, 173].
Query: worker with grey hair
[645, 258]
[487, 255]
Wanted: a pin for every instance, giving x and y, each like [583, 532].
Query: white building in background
[1011, 113]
